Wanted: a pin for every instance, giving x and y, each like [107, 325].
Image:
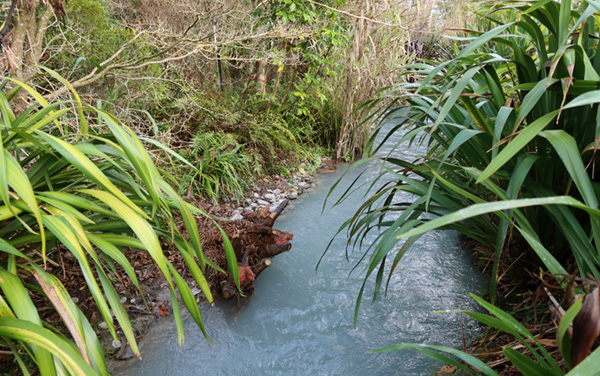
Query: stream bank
[266, 196]
[300, 322]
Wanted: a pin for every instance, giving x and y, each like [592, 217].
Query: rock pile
[272, 198]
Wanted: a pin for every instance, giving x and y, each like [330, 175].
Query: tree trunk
[27, 41]
[261, 75]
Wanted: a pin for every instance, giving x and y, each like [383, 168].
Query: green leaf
[118, 310]
[524, 364]
[36, 335]
[591, 97]
[479, 41]
[88, 168]
[63, 231]
[563, 22]
[26, 312]
[232, 262]
[195, 270]
[140, 227]
[137, 156]
[479, 209]
[532, 98]
[567, 150]
[590, 366]
[188, 219]
[468, 359]
[19, 182]
[190, 302]
[454, 95]
[562, 336]
[517, 329]
[517, 145]
[83, 124]
[106, 245]
[97, 358]
[178, 318]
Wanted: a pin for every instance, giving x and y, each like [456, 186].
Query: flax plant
[74, 179]
[511, 126]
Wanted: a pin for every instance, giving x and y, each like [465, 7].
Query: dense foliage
[237, 97]
[511, 127]
[77, 186]
[241, 89]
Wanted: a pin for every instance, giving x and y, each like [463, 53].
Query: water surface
[300, 321]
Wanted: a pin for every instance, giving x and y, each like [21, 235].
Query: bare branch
[361, 17]
[191, 47]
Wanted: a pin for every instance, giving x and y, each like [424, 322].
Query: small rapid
[300, 321]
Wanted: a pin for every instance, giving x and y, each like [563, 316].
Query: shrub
[511, 127]
[74, 180]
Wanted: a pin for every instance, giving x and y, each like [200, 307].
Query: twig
[363, 17]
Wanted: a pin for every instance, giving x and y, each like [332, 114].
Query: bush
[83, 186]
[511, 148]
[222, 167]
[511, 127]
[90, 35]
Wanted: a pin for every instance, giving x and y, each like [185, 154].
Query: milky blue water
[300, 321]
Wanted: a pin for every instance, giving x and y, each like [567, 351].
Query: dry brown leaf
[586, 327]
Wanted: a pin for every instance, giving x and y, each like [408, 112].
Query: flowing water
[300, 321]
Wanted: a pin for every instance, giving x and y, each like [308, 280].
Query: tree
[22, 48]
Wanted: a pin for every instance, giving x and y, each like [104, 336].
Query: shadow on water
[300, 321]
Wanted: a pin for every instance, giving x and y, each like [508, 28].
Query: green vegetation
[213, 95]
[511, 127]
[78, 186]
[110, 112]
[541, 362]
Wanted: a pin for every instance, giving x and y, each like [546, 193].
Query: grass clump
[77, 186]
[510, 124]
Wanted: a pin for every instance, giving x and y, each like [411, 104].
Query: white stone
[236, 217]
[116, 345]
[270, 197]
[293, 195]
[75, 299]
[262, 202]
[123, 299]
[103, 325]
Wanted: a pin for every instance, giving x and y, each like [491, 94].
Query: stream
[300, 322]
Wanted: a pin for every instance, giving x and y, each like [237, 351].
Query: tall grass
[74, 180]
[511, 127]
